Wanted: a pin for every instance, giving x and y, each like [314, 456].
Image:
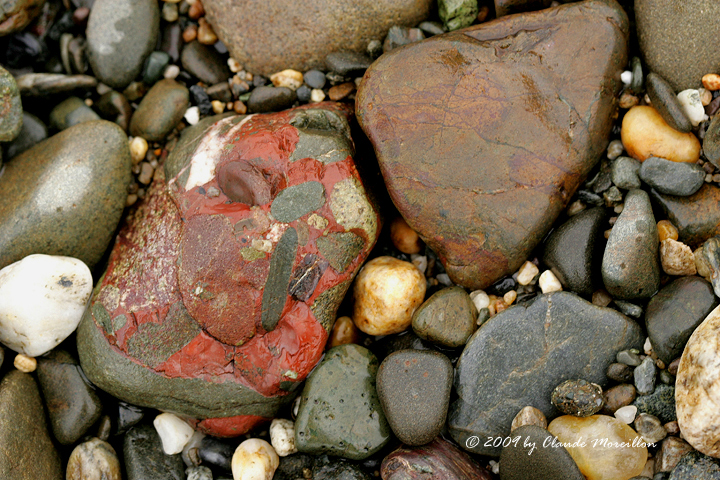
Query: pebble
[254, 459]
[289, 78]
[548, 282]
[529, 416]
[128, 415]
[578, 397]
[404, 238]
[711, 142]
[282, 436]
[386, 292]
[349, 64]
[340, 92]
[138, 149]
[536, 457]
[711, 81]
[707, 262]
[615, 149]
[93, 460]
[145, 459]
[270, 99]
[672, 178]
[619, 372]
[447, 318]
[628, 357]
[205, 63]
[603, 447]
[676, 258]
[644, 376]
[44, 84]
[174, 432]
[440, 458]
[198, 473]
[170, 12]
[650, 428]
[626, 414]
[155, 65]
[11, 112]
[692, 105]
[666, 230]
[315, 79]
[625, 173]
[24, 363]
[696, 217]
[696, 466]
[617, 397]
[213, 451]
[192, 115]
[666, 103]
[317, 95]
[671, 451]
[646, 134]
[304, 94]
[205, 33]
[32, 132]
[344, 331]
[660, 403]
[399, 36]
[527, 273]
[457, 14]
[71, 111]
[160, 111]
[115, 107]
[42, 299]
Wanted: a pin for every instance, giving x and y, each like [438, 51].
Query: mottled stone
[577, 397]
[660, 403]
[145, 459]
[431, 130]
[17, 14]
[672, 178]
[115, 107]
[298, 200]
[93, 460]
[711, 142]
[446, 318]
[521, 354]
[617, 397]
[534, 457]
[457, 14]
[650, 428]
[696, 217]
[696, 466]
[160, 111]
[644, 376]
[442, 458]
[11, 112]
[670, 453]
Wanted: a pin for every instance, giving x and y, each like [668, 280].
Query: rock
[213, 451]
[42, 299]
[666, 103]
[578, 398]
[667, 231]
[602, 447]
[414, 390]
[578, 340]
[399, 36]
[696, 217]
[45, 84]
[75, 204]
[201, 472]
[405, 238]
[645, 134]
[160, 111]
[331, 468]
[534, 457]
[625, 173]
[128, 416]
[120, 36]
[205, 63]
[447, 318]
[670, 453]
[115, 107]
[155, 66]
[507, 7]
[71, 111]
[629, 357]
[254, 459]
[32, 132]
[675, 312]
[672, 178]
[294, 467]
[27, 450]
[650, 428]
[660, 403]
[282, 436]
[692, 105]
[457, 206]
[432, 28]
[305, 34]
[442, 458]
[617, 397]
[145, 459]
[288, 78]
[349, 64]
[93, 460]
[270, 99]
[570, 250]
[644, 376]
[630, 267]
[314, 78]
[173, 431]
[343, 418]
[676, 258]
[72, 404]
[711, 142]
[208, 235]
[707, 262]
[619, 372]
[11, 111]
[696, 466]
[344, 331]
[16, 15]
[457, 14]
[386, 293]
[529, 416]
[626, 414]
[684, 28]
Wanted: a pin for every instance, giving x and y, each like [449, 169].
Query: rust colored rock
[442, 458]
[222, 287]
[484, 144]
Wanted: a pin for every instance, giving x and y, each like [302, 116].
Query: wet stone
[270, 99]
[707, 258]
[672, 178]
[577, 397]
[71, 112]
[205, 63]
[145, 459]
[217, 453]
[447, 318]
[347, 63]
[696, 217]
[11, 112]
[160, 110]
[440, 457]
[665, 101]
[660, 403]
[625, 173]
[534, 457]
[696, 466]
[628, 357]
[128, 415]
[32, 132]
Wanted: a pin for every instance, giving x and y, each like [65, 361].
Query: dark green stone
[145, 458]
[340, 249]
[326, 304]
[11, 111]
[298, 200]
[660, 403]
[160, 111]
[275, 292]
[457, 14]
[446, 318]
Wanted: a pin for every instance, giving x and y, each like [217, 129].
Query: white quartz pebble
[282, 436]
[174, 432]
[626, 414]
[691, 103]
[317, 95]
[527, 272]
[192, 115]
[481, 299]
[626, 77]
[254, 459]
[42, 299]
[615, 149]
[549, 283]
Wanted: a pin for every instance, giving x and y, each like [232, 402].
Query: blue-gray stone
[672, 178]
[298, 200]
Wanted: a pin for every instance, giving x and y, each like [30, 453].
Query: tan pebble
[575, 207]
[626, 414]
[659, 363]
[234, 65]
[548, 282]
[24, 363]
[705, 96]
[677, 258]
[673, 367]
[483, 13]
[672, 427]
[343, 332]
[601, 298]
[666, 230]
[289, 78]
[338, 92]
[606, 233]
[480, 299]
[529, 416]
[644, 134]
[510, 297]
[190, 33]
[206, 34]
[528, 271]
[317, 95]
[711, 81]
[614, 149]
[138, 149]
[239, 107]
[404, 238]
[386, 292]
[131, 199]
[218, 106]
[500, 305]
[254, 459]
[619, 208]
[197, 10]
[146, 173]
[649, 468]
[628, 100]
[708, 178]
[670, 453]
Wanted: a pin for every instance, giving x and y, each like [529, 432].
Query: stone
[625, 173]
[644, 376]
[72, 404]
[115, 107]
[550, 339]
[414, 390]
[74, 205]
[205, 63]
[128, 416]
[626, 414]
[120, 36]
[405, 238]
[630, 267]
[619, 372]
[305, 34]
[570, 250]
[45, 84]
[205, 235]
[254, 459]
[173, 431]
[442, 458]
[71, 111]
[675, 312]
[692, 105]
[578, 398]
[212, 451]
[707, 262]
[160, 110]
[386, 293]
[660, 403]
[672, 178]
[529, 416]
[270, 99]
[457, 14]
[332, 468]
[646, 134]
[344, 331]
[666, 103]
[155, 66]
[629, 357]
[314, 78]
[282, 436]
[603, 447]
[677, 258]
[349, 64]
[684, 28]
[447, 318]
[93, 460]
[340, 413]
[145, 459]
[201, 472]
[11, 111]
[399, 36]
[670, 453]
[16, 15]
[507, 7]
[32, 132]
[534, 457]
[650, 428]
[696, 217]
[711, 142]
[696, 466]
[419, 130]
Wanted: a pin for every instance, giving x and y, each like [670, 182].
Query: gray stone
[350, 64]
[205, 63]
[534, 457]
[160, 111]
[521, 354]
[711, 142]
[625, 173]
[672, 178]
[120, 36]
[665, 101]
[270, 99]
[44, 84]
[314, 78]
[33, 131]
[276, 288]
[145, 458]
[696, 217]
[447, 318]
[93, 460]
[644, 376]
[115, 107]
[630, 267]
[619, 372]
[298, 200]
[660, 403]
[70, 112]
[154, 67]
[457, 13]
[707, 258]
[11, 112]
[330, 468]
[696, 466]
[432, 28]
[629, 309]
[628, 357]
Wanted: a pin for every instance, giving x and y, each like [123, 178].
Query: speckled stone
[617, 397]
[457, 14]
[442, 458]
[711, 142]
[660, 403]
[75, 204]
[672, 178]
[93, 460]
[144, 457]
[696, 466]
[707, 261]
[160, 110]
[333, 468]
[577, 397]
[533, 457]
[11, 112]
[447, 318]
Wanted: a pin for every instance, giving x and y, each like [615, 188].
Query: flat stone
[625, 173]
[145, 459]
[696, 466]
[32, 132]
[447, 318]
[666, 102]
[11, 112]
[430, 132]
[534, 457]
[349, 64]
[442, 458]
[400, 36]
[120, 36]
[160, 110]
[520, 355]
[304, 34]
[205, 63]
[75, 204]
[630, 266]
[45, 84]
[696, 217]
[711, 142]
[660, 403]
[414, 391]
[270, 99]
[672, 178]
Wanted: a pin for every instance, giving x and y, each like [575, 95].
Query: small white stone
[527, 273]
[549, 283]
[234, 65]
[480, 299]
[282, 436]
[648, 348]
[171, 72]
[317, 95]
[192, 115]
[138, 149]
[444, 279]
[254, 459]
[615, 149]
[289, 78]
[170, 12]
[692, 104]
[174, 432]
[24, 363]
[626, 77]
[42, 299]
[420, 261]
[190, 450]
[494, 466]
[626, 414]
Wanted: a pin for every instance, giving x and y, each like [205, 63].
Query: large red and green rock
[484, 134]
[223, 285]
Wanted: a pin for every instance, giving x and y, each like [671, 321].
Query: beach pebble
[344, 331]
[650, 428]
[529, 416]
[24, 363]
[677, 258]
[254, 459]
[692, 105]
[660, 403]
[93, 460]
[577, 397]
[387, 291]
[457, 14]
[670, 453]
[447, 318]
[667, 104]
[404, 237]
[289, 78]
[549, 283]
[707, 262]
[615, 149]
[666, 230]
[626, 414]
[617, 397]
[644, 376]
[198, 473]
[282, 436]
[160, 111]
[42, 299]
[536, 456]
[645, 134]
[672, 178]
[527, 273]
[624, 172]
[174, 432]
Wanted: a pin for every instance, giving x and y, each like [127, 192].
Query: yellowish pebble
[404, 237]
[206, 34]
[510, 297]
[527, 272]
[254, 459]
[677, 258]
[711, 81]
[24, 363]
[666, 230]
[218, 106]
[529, 416]
[548, 282]
[644, 134]
[317, 95]
[138, 149]
[289, 78]
[344, 331]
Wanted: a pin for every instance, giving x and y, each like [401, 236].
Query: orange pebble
[711, 81]
[190, 33]
[344, 331]
[197, 10]
[667, 230]
[404, 238]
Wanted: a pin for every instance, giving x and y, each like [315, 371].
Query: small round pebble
[404, 238]
[138, 149]
[529, 416]
[174, 432]
[666, 230]
[317, 95]
[24, 363]
[711, 81]
[480, 299]
[626, 414]
[527, 273]
[282, 436]
[315, 79]
[549, 283]
[192, 115]
[254, 459]
[644, 376]
[650, 428]
[692, 104]
[615, 149]
[579, 398]
[93, 460]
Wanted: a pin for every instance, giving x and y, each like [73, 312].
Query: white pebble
[317, 95]
[527, 273]
[626, 414]
[494, 466]
[254, 459]
[24, 363]
[190, 450]
[174, 432]
[42, 299]
[234, 65]
[444, 279]
[647, 348]
[480, 299]
[192, 115]
[282, 436]
[615, 149]
[692, 104]
[138, 149]
[549, 283]
[289, 78]
[171, 72]
[420, 261]
[626, 77]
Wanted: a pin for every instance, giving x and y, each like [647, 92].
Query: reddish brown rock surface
[484, 134]
[441, 458]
